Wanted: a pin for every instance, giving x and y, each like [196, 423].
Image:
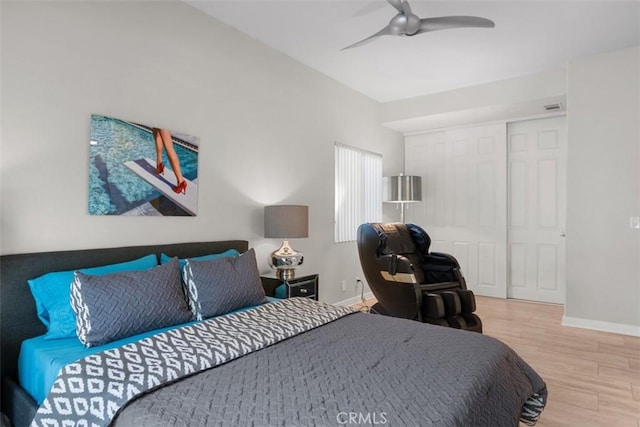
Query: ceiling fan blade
[406, 8]
[448, 22]
[383, 32]
[397, 4]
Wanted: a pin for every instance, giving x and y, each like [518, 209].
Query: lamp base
[285, 260]
[285, 274]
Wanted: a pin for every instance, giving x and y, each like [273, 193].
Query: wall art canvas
[141, 170]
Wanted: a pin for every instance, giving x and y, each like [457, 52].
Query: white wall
[501, 100]
[603, 191]
[266, 123]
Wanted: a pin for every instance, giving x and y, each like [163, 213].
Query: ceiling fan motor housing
[404, 24]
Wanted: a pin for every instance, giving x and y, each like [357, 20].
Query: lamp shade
[402, 189]
[286, 221]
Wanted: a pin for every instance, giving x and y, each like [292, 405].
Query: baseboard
[598, 325]
[354, 300]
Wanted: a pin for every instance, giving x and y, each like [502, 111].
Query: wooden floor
[593, 378]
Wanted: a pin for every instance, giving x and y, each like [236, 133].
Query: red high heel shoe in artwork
[160, 169]
[181, 188]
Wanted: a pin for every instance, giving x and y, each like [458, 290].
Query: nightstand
[305, 285]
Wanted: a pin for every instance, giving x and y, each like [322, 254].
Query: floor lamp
[402, 189]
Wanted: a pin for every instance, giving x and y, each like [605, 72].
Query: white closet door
[537, 209]
[464, 200]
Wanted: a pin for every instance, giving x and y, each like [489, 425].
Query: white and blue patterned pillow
[119, 305]
[218, 286]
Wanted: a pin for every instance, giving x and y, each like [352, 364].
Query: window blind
[358, 190]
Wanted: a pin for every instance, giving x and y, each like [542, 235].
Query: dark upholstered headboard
[18, 318]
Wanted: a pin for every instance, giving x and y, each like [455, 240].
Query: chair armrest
[396, 268]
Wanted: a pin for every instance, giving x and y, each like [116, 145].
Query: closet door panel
[464, 182]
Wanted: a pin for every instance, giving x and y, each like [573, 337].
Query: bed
[286, 362]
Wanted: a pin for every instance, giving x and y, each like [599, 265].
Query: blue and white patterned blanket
[91, 391]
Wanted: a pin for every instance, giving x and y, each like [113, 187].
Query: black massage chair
[410, 282]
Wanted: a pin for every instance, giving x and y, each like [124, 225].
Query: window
[358, 190]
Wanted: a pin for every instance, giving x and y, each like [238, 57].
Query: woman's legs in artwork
[167, 142]
[158, 140]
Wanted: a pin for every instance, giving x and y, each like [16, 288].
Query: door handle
[563, 234]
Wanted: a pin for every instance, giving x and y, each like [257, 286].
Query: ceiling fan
[406, 23]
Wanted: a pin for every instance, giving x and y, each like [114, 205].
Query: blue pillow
[52, 294]
[164, 258]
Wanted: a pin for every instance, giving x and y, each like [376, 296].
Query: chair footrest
[473, 323]
[467, 322]
[467, 300]
[439, 322]
[457, 322]
[448, 303]
[433, 306]
[452, 304]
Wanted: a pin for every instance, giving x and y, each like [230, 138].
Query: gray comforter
[360, 369]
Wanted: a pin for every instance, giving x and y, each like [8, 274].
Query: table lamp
[286, 222]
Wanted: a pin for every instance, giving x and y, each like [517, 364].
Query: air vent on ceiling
[553, 107]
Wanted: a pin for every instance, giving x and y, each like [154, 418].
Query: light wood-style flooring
[593, 378]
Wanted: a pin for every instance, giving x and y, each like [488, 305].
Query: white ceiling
[529, 37]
